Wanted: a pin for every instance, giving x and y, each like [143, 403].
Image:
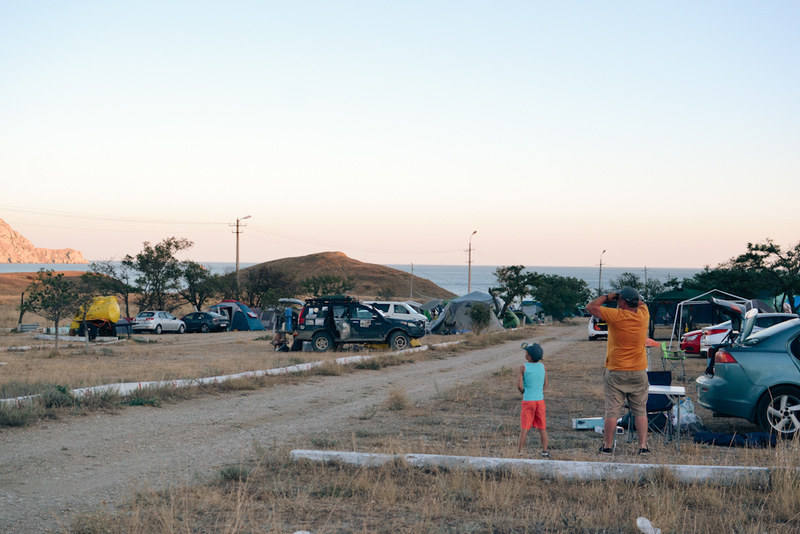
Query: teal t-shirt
[533, 382]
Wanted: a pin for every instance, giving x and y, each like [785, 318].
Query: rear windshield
[761, 335]
[145, 314]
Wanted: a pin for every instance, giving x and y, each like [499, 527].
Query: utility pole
[412, 281]
[469, 264]
[237, 232]
[600, 277]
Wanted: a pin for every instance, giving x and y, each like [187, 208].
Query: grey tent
[455, 319]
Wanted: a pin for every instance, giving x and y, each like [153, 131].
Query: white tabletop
[667, 390]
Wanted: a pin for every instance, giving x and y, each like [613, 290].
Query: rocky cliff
[15, 248]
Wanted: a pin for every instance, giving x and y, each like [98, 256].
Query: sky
[663, 133]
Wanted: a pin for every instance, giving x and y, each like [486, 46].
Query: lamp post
[237, 232]
[469, 264]
[600, 276]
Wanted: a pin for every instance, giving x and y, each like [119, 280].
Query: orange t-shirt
[627, 332]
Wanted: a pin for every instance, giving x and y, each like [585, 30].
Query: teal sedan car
[757, 378]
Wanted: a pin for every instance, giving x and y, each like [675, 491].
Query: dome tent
[242, 317]
[455, 317]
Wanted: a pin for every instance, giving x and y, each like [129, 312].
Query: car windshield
[145, 314]
[761, 335]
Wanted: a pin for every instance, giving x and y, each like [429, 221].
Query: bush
[481, 316]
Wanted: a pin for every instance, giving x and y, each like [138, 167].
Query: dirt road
[54, 468]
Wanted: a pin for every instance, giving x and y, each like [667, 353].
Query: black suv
[337, 320]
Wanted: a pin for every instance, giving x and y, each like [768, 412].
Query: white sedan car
[718, 333]
[157, 322]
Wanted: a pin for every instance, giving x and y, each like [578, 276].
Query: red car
[690, 341]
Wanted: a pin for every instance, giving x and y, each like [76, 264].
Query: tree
[481, 316]
[386, 293]
[54, 297]
[648, 289]
[115, 279]
[560, 295]
[780, 268]
[199, 284]
[263, 286]
[159, 273]
[730, 277]
[327, 284]
[513, 282]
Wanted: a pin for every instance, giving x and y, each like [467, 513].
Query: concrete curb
[687, 474]
[128, 388]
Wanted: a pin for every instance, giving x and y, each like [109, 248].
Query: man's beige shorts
[625, 386]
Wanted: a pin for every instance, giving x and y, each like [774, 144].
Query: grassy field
[269, 493]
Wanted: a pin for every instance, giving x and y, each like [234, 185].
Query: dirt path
[59, 467]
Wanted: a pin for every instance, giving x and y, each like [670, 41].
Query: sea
[457, 279]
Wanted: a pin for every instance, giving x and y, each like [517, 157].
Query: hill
[370, 278]
[16, 248]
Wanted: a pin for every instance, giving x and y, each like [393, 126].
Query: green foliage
[199, 284]
[54, 297]
[481, 316]
[112, 279]
[648, 290]
[234, 473]
[779, 269]
[560, 294]
[57, 396]
[261, 286]
[386, 293]
[327, 284]
[512, 282]
[159, 273]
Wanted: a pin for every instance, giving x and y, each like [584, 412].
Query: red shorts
[533, 415]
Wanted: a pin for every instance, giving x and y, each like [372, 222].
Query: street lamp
[600, 277]
[469, 264]
[237, 232]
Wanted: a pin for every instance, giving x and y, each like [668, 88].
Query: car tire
[181, 329]
[321, 342]
[778, 411]
[399, 341]
[204, 329]
[158, 329]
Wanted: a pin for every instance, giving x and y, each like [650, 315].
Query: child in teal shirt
[531, 382]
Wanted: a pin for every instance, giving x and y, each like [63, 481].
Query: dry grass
[269, 493]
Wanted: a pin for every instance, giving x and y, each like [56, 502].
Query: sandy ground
[54, 468]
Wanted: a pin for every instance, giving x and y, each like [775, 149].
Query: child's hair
[534, 350]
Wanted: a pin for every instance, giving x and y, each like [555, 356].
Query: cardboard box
[587, 423]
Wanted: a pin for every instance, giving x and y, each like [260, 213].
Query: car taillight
[597, 327]
[302, 318]
[714, 331]
[723, 356]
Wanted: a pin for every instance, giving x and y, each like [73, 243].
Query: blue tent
[242, 317]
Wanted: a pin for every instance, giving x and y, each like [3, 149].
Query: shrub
[481, 316]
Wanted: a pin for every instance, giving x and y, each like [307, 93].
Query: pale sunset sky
[665, 133]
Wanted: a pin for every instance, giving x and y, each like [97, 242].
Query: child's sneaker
[545, 454]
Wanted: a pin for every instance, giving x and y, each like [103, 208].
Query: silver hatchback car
[157, 322]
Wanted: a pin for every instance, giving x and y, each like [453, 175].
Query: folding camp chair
[672, 360]
[658, 408]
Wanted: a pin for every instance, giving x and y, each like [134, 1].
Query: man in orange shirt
[625, 379]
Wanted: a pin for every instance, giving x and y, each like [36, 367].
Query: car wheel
[399, 341]
[204, 329]
[778, 411]
[158, 329]
[181, 329]
[321, 342]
